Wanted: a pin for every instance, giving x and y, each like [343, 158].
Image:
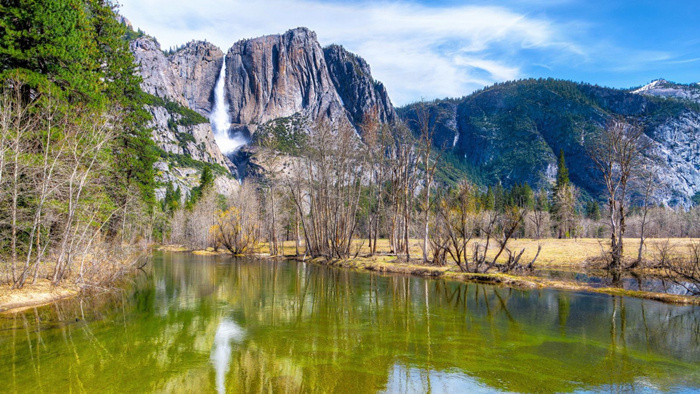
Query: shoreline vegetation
[573, 255]
[104, 273]
[566, 255]
[569, 255]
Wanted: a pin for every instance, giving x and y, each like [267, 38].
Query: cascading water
[219, 119]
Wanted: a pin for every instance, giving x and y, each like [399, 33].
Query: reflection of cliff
[310, 328]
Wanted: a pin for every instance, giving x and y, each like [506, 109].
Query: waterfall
[219, 118]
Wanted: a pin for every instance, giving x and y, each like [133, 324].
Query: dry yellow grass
[556, 253]
[32, 295]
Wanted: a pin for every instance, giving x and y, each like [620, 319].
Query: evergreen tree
[562, 171]
[78, 49]
[564, 201]
[593, 210]
[499, 198]
[489, 200]
[206, 179]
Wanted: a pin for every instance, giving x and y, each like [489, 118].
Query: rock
[361, 95]
[186, 77]
[201, 146]
[278, 76]
[197, 65]
[158, 76]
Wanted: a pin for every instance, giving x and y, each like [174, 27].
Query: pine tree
[78, 51]
[206, 179]
[564, 201]
[489, 200]
[562, 171]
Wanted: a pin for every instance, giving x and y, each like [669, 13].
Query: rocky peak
[154, 68]
[278, 76]
[362, 96]
[197, 66]
[186, 77]
[663, 88]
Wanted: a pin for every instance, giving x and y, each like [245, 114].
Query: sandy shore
[33, 295]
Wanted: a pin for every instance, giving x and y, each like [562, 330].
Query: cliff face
[184, 80]
[278, 76]
[267, 78]
[512, 133]
[186, 77]
[362, 96]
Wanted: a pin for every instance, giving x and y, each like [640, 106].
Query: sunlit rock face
[278, 76]
[186, 77]
[363, 97]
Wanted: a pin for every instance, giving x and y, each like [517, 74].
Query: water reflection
[227, 333]
[213, 324]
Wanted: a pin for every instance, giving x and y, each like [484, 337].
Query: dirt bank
[33, 295]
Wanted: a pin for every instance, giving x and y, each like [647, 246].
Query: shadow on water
[208, 324]
[627, 281]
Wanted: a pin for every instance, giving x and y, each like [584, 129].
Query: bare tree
[617, 154]
[646, 185]
[326, 189]
[540, 215]
[427, 132]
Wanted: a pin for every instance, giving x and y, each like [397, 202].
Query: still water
[207, 324]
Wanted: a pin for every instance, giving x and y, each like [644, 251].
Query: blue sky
[447, 48]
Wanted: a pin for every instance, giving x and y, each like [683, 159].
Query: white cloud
[417, 51]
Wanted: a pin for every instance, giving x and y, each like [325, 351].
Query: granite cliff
[508, 133]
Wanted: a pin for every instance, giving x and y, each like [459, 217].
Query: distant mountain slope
[664, 88]
[513, 131]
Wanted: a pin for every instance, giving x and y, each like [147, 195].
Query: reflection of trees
[311, 328]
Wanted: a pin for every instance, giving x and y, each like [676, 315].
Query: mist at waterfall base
[229, 143]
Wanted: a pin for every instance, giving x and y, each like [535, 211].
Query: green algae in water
[208, 324]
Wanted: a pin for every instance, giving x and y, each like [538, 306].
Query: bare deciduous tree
[617, 154]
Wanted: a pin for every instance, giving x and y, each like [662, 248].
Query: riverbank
[34, 295]
[103, 274]
[379, 264]
[572, 255]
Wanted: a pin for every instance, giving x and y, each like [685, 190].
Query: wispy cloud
[417, 51]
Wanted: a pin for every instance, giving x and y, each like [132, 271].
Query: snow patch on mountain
[664, 88]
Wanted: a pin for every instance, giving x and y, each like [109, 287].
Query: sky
[429, 49]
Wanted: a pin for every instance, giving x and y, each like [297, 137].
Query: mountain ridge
[511, 132]
[514, 130]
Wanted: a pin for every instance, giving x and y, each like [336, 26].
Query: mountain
[180, 87]
[512, 132]
[278, 76]
[509, 133]
[266, 79]
[664, 88]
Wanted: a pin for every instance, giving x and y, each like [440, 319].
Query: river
[214, 323]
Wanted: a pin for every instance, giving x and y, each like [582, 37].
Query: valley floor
[557, 255]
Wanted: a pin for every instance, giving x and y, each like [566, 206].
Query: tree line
[76, 157]
[344, 192]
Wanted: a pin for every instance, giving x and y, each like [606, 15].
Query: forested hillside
[512, 132]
